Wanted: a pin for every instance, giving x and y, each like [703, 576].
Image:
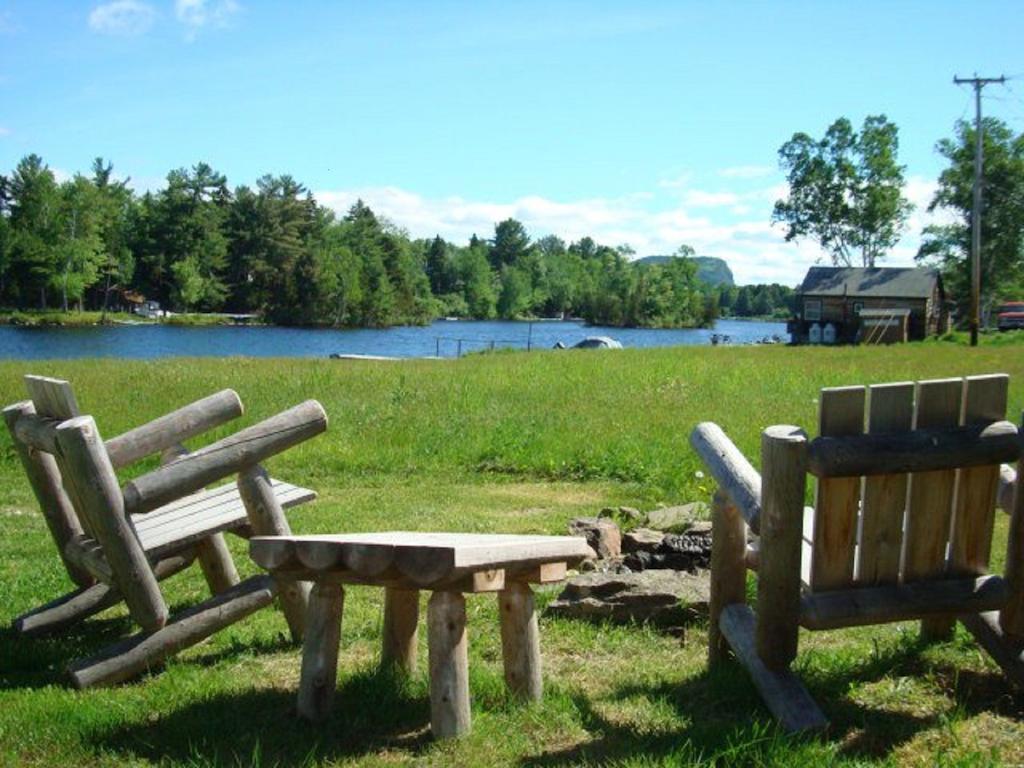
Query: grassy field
[511, 443]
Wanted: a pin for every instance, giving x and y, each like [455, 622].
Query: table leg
[401, 620]
[320, 651]
[520, 640]
[449, 664]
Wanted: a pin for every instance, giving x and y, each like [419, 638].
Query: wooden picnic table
[448, 565]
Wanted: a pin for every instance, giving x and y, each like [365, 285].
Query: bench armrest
[730, 469]
[225, 457]
[175, 427]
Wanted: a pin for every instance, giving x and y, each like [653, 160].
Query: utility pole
[978, 83]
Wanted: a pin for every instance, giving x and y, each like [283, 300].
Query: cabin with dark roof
[876, 305]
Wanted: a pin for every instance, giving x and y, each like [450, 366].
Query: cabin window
[812, 309]
[857, 307]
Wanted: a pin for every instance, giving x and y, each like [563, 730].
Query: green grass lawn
[512, 443]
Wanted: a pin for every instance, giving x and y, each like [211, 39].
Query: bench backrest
[894, 528]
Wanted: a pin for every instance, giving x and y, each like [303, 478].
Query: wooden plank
[449, 664]
[930, 505]
[900, 602]
[52, 397]
[319, 675]
[784, 463]
[730, 469]
[148, 650]
[204, 514]
[225, 457]
[890, 410]
[545, 573]
[781, 690]
[841, 413]
[974, 509]
[728, 571]
[443, 555]
[38, 432]
[174, 427]
[87, 553]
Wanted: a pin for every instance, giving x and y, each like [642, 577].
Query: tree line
[196, 245]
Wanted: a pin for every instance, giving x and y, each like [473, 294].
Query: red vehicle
[1010, 316]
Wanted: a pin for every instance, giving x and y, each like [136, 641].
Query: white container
[829, 334]
[814, 334]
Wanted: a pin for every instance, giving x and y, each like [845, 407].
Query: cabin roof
[881, 282]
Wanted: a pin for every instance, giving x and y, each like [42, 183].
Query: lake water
[444, 338]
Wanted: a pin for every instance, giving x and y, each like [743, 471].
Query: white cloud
[747, 172]
[4, 131]
[700, 199]
[756, 251]
[122, 17]
[196, 15]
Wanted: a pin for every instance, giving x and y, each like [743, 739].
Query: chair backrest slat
[984, 401]
[841, 413]
[930, 500]
[890, 409]
[52, 397]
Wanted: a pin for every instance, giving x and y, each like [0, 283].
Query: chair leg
[147, 650]
[67, 610]
[216, 563]
[781, 690]
[728, 569]
[1006, 651]
[267, 518]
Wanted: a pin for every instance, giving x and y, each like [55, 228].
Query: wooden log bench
[449, 565]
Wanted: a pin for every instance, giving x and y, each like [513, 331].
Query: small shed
[870, 304]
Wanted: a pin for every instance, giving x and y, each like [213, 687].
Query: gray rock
[662, 597]
[677, 519]
[602, 535]
[641, 540]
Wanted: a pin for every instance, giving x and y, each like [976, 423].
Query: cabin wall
[843, 313]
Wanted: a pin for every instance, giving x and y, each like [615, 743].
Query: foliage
[845, 190]
[197, 246]
[1002, 222]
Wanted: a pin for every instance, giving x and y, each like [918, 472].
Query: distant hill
[710, 270]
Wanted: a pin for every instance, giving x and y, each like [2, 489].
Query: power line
[978, 83]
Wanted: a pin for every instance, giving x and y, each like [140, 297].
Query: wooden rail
[173, 428]
[731, 470]
[923, 450]
[225, 457]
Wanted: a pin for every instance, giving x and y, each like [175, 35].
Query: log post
[784, 467]
[1011, 618]
[134, 655]
[728, 569]
[267, 518]
[214, 558]
[216, 563]
[449, 664]
[44, 477]
[520, 641]
[87, 470]
[401, 620]
[320, 652]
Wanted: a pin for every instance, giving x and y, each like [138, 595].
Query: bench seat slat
[200, 515]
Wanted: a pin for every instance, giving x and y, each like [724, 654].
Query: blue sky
[648, 123]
